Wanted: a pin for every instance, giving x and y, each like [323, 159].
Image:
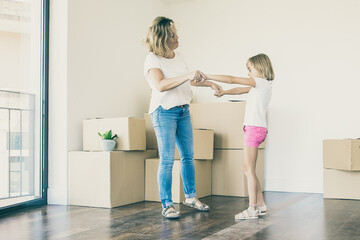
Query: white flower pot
[107, 144]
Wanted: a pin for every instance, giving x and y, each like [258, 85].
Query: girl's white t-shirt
[257, 103]
[171, 68]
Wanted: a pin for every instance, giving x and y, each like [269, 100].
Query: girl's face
[252, 71]
[173, 40]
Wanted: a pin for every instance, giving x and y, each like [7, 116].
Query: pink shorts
[254, 136]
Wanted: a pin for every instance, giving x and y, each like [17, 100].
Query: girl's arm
[233, 91]
[164, 84]
[232, 79]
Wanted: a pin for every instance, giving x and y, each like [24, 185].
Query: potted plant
[107, 141]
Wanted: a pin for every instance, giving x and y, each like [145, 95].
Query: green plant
[107, 135]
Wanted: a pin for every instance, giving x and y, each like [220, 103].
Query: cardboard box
[343, 154]
[225, 118]
[228, 178]
[203, 144]
[341, 184]
[202, 180]
[130, 131]
[107, 179]
[151, 142]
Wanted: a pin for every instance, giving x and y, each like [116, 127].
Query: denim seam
[165, 204]
[182, 148]
[191, 194]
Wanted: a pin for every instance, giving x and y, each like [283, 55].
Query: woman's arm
[205, 83]
[164, 84]
[233, 91]
[232, 79]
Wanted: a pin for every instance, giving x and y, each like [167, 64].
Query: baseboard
[307, 185]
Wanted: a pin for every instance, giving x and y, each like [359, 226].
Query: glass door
[23, 115]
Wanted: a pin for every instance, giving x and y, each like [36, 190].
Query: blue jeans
[174, 126]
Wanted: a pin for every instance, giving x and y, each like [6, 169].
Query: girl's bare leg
[259, 195]
[249, 166]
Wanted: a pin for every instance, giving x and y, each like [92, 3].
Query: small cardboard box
[202, 180]
[107, 179]
[203, 144]
[228, 178]
[341, 184]
[225, 118]
[342, 154]
[130, 131]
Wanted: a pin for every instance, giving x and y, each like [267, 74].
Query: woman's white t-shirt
[171, 68]
[257, 103]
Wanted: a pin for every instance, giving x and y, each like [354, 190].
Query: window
[23, 102]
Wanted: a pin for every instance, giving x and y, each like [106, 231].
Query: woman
[170, 80]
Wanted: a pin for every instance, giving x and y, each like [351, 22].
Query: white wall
[105, 60]
[315, 52]
[96, 62]
[58, 145]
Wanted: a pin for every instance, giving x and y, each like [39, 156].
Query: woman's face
[173, 40]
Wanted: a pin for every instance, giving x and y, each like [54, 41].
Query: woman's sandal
[170, 213]
[247, 214]
[262, 210]
[202, 207]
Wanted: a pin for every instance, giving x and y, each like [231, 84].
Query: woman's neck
[170, 55]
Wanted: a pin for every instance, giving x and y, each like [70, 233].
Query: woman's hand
[232, 91]
[216, 87]
[220, 93]
[195, 76]
[202, 78]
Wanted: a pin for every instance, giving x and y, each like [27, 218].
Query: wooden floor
[291, 216]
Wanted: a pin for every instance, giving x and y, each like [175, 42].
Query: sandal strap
[243, 214]
[252, 212]
[262, 208]
[202, 205]
[169, 210]
[194, 202]
[247, 213]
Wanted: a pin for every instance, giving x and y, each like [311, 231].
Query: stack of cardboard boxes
[226, 119]
[341, 168]
[203, 153]
[109, 179]
[129, 173]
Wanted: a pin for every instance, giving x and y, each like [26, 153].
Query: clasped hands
[199, 78]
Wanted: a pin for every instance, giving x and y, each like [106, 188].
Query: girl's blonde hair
[262, 64]
[158, 35]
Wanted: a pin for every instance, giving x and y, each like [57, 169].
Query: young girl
[260, 80]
